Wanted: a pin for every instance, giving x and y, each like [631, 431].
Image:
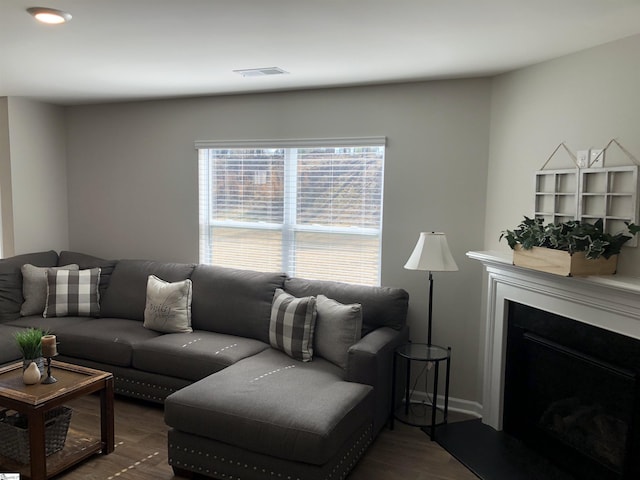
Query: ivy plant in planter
[572, 236]
[580, 248]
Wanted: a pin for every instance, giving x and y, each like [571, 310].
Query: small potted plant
[30, 344]
[570, 248]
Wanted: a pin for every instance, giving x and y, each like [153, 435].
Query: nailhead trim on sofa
[200, 462]
[132, 391]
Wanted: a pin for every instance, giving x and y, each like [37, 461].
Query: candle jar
[49, 346]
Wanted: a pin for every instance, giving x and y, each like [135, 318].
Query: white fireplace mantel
[609, 302]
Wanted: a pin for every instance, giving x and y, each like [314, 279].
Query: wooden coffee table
[35, 400]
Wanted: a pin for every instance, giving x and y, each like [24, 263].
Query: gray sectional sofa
[236, 406]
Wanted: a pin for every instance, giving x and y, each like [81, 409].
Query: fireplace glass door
[576, 408]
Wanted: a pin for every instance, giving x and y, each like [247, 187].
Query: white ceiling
[136, 49]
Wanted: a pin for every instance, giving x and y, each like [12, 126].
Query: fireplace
[571, 393]
[585, 346]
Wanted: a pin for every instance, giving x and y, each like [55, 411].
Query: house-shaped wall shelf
[611, 194]
[557, 195]
[587, 194]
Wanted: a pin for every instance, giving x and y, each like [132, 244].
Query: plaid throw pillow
[72, 293]
[292, 323]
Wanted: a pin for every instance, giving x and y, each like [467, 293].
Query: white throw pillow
[168, 307]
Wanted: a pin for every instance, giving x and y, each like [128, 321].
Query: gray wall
[34, 176]
[584, 99]
[6, 201]
[133, 181]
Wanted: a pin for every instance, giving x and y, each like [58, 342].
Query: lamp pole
[430, 308]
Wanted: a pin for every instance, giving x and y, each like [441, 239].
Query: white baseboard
[455, 404]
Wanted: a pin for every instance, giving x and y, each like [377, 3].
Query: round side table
[430, 415]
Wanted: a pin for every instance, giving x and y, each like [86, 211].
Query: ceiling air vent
[260, 72]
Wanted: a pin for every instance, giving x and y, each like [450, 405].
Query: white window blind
[311, 208]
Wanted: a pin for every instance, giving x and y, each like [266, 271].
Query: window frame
[289, 226]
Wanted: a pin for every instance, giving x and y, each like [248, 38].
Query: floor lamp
[431, 254]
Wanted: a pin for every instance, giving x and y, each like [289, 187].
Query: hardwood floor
[141, 449]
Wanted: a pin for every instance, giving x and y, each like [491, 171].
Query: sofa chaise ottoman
[269, 417]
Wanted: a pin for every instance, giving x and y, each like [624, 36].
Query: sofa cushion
[126, 296]
[105, 340]
[293, 321]
[381, 306]
[338, 326]
[11, 280]
[272, 404]
[193, 355]
[88, 261]
[72, 293]
[49, 325]
[236, 302]
[9, 350]
[168, 307]
[34, 287]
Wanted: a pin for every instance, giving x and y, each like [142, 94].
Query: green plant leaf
[30, 342]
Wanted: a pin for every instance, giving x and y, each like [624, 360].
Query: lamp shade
[432, 253]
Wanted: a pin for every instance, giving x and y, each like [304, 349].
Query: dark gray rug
[493, 455]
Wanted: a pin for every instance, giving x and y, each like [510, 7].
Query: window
[311, 208]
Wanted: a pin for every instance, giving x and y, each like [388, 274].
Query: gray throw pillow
[338, 326]
[34, 287]
[72, 293]
[292, 324]
[168, 306]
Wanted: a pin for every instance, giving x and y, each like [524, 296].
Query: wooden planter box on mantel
[560, 262]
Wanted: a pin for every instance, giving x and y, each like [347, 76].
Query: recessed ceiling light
[49, 15]
[260, 72]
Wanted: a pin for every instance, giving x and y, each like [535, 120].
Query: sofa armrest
[370, 361]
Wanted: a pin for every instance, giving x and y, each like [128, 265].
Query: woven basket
[14, 434]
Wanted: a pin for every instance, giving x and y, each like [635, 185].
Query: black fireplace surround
[572, 393]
